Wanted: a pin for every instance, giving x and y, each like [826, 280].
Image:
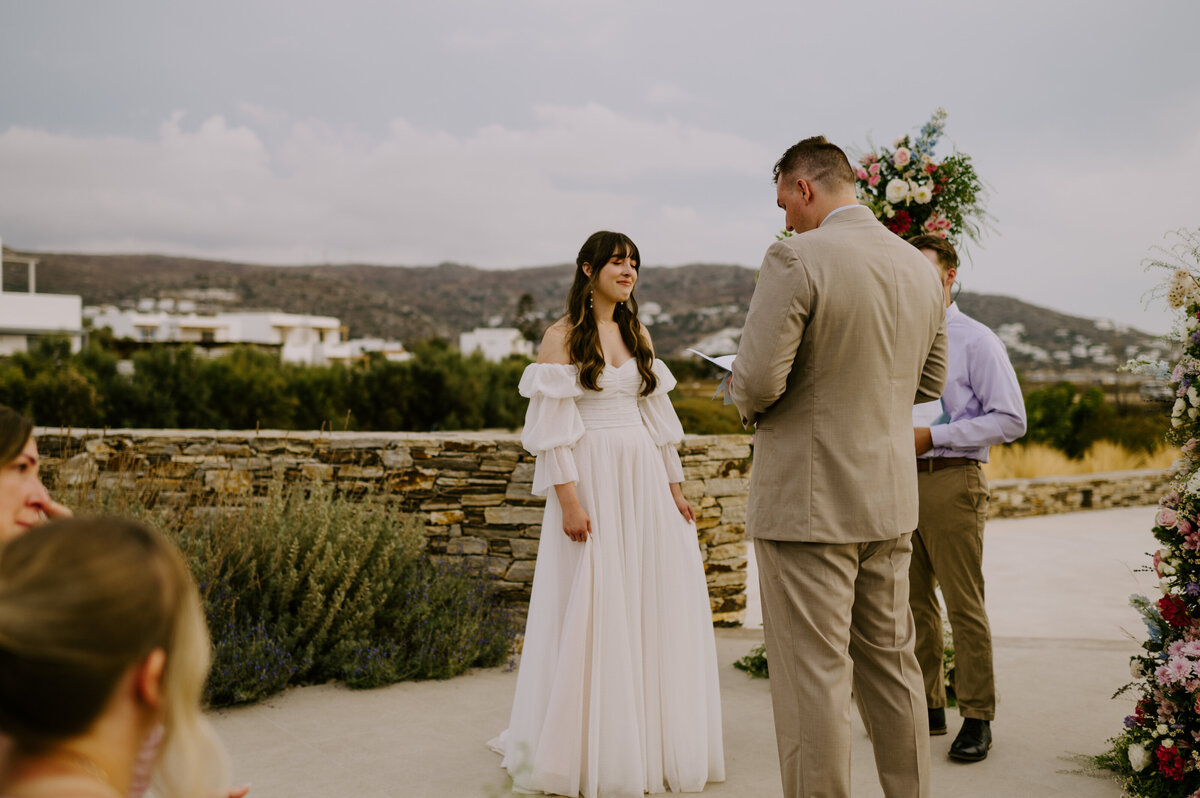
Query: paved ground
[1057, 595]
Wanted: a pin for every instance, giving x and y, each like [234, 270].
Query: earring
[590, 300]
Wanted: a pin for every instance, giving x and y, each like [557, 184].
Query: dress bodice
[616, 403]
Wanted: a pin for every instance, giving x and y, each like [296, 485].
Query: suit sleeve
[774, 328]
[933, 373]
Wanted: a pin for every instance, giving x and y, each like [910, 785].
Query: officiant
[981, 406]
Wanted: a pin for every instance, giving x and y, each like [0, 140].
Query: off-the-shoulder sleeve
[662, 422]
[552, 423]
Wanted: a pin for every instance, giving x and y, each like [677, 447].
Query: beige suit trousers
[836, 616]
[948, 550]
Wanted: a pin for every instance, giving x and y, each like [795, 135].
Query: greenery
[176, 387]
[304, 585]
[1072, 420]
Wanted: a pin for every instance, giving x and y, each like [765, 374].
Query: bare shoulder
[644, 332]
[554, 343]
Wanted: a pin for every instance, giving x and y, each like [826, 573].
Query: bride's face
[617, 277]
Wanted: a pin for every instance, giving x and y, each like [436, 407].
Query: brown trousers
[948, 550]
[837, 616]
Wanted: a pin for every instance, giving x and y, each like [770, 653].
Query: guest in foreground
[617, 692]
[982, 406]
[24, 501]
[102, 647]
[844, 333]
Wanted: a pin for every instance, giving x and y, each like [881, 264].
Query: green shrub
[304, 585]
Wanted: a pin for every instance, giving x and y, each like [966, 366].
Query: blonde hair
[81, 601]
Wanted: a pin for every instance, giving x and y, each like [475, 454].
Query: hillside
[702, 304]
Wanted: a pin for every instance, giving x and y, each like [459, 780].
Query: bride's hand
[681, 503]
[576, 523]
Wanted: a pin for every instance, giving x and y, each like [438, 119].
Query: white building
[299, 338]
[25, 315]
[495, 343]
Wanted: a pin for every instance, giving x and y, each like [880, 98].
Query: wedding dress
[617, 691]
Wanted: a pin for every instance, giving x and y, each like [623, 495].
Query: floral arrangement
[1158, 753]
[911, 192]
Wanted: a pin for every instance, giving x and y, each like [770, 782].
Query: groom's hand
[923, 439]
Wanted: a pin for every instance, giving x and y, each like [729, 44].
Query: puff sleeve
[662, 422]
[552, 423]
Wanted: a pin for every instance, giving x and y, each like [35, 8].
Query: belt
[931, 464]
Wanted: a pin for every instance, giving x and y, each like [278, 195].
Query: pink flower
[1166, 518]
[943, 234]
[1184, 526]
[1179, 670]
[874, 168]
[873, 180]
[944, 223]
[861, 173]
[1177, 373]
[902, 157]
[930, 168]
[1191, 541]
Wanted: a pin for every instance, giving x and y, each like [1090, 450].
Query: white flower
[897, 190]
[1162, 730]
[923, 194]
[1176, 296]
[1168, 743]
[1178, 408]
[1182, 288]
[1176, 421]
[1135, 668]
[1193, 412]
[1193, 396]
[1139, 757]
[1192, 323]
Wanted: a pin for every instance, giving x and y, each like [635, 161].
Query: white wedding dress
[617, 692]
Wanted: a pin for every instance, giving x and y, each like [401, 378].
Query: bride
[617, 691]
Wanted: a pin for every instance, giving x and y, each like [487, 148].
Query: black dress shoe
[973, 740]
[937, 722]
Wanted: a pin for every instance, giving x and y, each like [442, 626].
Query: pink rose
[874, 169]
[1184, 526]
[944, 223]
[1166, 518]
[902, 157]
[873, 180]
[943, 234]
[861, 174]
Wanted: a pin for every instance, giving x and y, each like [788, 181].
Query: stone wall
[471, 489]
[1014, 498]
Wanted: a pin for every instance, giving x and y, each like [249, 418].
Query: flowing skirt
[617, 692]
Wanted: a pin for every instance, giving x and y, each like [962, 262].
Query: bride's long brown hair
[583, 338]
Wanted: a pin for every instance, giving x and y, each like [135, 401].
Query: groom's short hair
[815, 159]
[947, 256]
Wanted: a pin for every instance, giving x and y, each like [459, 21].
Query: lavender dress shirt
[982, 397]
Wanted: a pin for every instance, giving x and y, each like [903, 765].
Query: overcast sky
[501, 134]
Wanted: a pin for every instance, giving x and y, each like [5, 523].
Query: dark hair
[818, 160]
[947, 256]
[583, 336]
[15, 431]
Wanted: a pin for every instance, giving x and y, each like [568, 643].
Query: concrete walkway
[1058, 589]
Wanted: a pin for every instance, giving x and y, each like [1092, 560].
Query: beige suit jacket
[845, 332]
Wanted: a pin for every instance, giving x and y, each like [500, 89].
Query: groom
[846, 331]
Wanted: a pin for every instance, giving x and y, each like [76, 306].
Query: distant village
[197, 317]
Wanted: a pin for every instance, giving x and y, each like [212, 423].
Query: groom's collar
[836, 211]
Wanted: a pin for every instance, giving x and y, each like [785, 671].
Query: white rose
[1193, 396]
[1168, 743]
[923, 194]
[1192, 323]
[1176, 421]
[1178, 408]
[1139, 757]
[1193, 412]
[1166, 569]
[897, 190]
[1162, 730]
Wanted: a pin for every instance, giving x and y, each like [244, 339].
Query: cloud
[498, 196]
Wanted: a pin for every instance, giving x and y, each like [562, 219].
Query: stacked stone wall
[472, 490]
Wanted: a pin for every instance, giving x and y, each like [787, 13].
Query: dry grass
[1023, 461]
